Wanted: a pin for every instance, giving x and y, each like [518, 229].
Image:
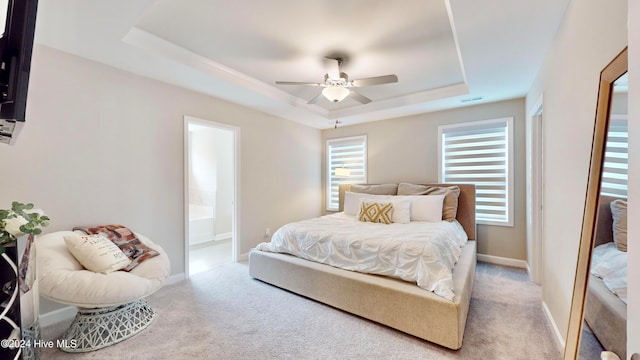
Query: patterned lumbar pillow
[376, 212]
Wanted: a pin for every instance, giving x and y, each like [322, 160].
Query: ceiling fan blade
[297, 83]
[359, 98]
[315, 99]
[332, 66]
[377, 80]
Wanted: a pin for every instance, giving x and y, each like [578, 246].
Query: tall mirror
[597, 321]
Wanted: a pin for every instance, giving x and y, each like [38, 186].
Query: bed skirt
[395, 303]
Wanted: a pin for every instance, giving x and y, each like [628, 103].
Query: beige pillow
[451, 194]
[96, 253]
[381, 189]
[619, 214]
[375, 212]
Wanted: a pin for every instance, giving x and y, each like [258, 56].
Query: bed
[392, 302]
[605, 311]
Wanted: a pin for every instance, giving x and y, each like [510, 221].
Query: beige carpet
[224, 314]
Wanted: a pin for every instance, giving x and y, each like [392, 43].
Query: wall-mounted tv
[16, 46]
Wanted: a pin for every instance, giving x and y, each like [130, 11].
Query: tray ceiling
[443, 52]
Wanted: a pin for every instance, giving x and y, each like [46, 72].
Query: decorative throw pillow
[619, 214]
[401, 206]
[96, 253]
[376, 212]
[125, 239]
[451, 194]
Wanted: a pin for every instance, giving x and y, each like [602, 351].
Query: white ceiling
[444, 52]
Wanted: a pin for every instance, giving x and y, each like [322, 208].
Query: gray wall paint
[406, 149]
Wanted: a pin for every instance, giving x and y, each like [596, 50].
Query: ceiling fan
[337, 85]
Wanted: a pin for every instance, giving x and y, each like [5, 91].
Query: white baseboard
[223, 236]
[175, 278]
[554, 326]
[243, 257]
[502, 261]
[56, 316]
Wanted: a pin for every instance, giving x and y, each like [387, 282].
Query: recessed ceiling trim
[145, 40]
[299, 110]
[95, 30]
[403, 101]
[455, 40]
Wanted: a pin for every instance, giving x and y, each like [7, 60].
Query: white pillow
[401, 209]
[352, 202]
[401, 205]
[96, 253]
[425, 207]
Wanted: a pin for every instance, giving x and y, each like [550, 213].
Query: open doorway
[210, 195]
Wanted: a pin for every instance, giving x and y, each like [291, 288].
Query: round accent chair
[111, 307]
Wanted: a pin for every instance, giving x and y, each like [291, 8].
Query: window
[345, 153]
[481, 153]
[614, 172]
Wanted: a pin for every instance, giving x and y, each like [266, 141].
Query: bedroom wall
[592, 34]
[406, 149]
[106, 146]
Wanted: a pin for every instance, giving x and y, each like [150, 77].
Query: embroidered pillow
[96, 253]
[125, 239]
[376, 212]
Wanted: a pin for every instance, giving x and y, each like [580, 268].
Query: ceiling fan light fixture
[335, 93]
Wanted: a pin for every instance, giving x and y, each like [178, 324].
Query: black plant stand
[10, 304]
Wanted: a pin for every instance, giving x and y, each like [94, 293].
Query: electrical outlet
[267, 232]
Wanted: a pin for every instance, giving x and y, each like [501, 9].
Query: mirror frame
[608, 76]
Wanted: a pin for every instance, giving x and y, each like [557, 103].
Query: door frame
[535, 192]
[235, 227]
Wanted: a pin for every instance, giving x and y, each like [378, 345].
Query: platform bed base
[394, 303]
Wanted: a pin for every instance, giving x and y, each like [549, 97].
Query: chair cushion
[63, 279]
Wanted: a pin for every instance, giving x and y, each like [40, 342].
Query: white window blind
[481, 153]
[345, 153]
[614, 172]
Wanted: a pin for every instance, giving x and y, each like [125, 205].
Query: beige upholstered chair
[111, 307]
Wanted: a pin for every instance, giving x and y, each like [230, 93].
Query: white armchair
[111, 307]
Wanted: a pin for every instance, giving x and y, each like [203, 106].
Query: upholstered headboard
[604, 225]
[466, 214]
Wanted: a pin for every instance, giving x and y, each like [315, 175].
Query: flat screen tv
[16, 46]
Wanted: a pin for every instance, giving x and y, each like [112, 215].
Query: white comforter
[610, 264]
[420, 252]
